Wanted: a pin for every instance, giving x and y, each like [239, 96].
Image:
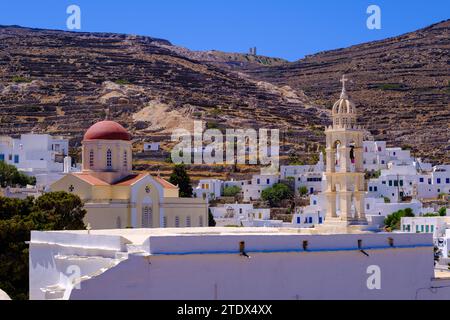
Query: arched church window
[91, 158]
[352, 154]
[125, 159]
[337, 146]
[109, 158]
[147, 217]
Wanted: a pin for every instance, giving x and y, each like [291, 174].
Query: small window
[109, 158]
[438, 180]
[125, 159]
[91, 158]
[16, 158]
[188, 221]
[421, 180]
[200, 221]
[177, 222]
[164, 222]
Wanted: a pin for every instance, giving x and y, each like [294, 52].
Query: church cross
[343, 93]
[343, 80]
[71, 188]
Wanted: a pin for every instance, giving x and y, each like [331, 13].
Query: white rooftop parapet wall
[276, 242]
[206, 263]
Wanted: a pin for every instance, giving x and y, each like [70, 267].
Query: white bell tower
[344, 165]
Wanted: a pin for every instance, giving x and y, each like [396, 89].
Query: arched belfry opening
[344, 171]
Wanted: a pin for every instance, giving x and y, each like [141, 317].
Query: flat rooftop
[138, 236]
[226, 240]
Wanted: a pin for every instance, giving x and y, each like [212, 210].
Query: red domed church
[115, 196]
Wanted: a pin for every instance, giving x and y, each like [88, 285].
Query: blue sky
[282, 28]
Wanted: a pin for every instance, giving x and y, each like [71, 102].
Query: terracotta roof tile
[91, 179]
[130, 180]
[166, 184]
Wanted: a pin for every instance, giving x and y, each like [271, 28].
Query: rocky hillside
[62, 82]
[401, 86]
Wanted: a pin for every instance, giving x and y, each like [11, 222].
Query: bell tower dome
[344, 110]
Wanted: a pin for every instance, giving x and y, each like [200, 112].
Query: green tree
[180, 178]
[10, 176]
[275, 194]
[303, 190]
[52, 211]
[231, 191]
[442, 211]
[62, 211]
[392, 221]
[211, 221]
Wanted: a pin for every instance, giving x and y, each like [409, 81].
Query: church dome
[344, 106]
[344, 110]
[107, 130]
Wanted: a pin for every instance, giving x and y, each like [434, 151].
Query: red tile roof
[166, 184]
[91, 179]
[130, 180]
[127, 181]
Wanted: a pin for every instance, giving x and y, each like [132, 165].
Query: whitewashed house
[209, 189]
[151, 146]
[39, 155]
[375, 155]
[253, 190]
[435, 225]
[241, 214]
[309, 176]
[34, 152]
[312, 215]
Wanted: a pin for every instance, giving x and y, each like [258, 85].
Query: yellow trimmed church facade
[115, 197]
